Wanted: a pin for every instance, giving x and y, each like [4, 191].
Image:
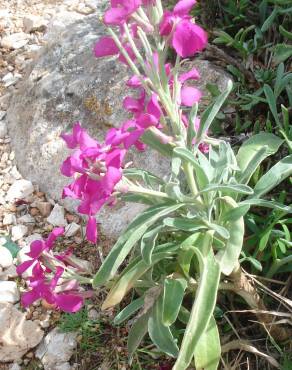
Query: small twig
[247, 347]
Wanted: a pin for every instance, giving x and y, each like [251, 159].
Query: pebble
[8, 292]
[26, 219]
[9, 219]
[18, 232]
[6, 259]
[14, 366]
[32, 23]
[14, 171]
[44, 208]
[14, 41]
[3, 129]
[10, 79]
[56, 217]
[19, 190]
[72, 229]
[9, 273]
[56, 349]
[34, 211]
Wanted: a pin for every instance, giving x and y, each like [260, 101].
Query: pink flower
[106, 46]
[48, 289]
[96, 170]
[37, 247]
[187, 38]
[120, 11]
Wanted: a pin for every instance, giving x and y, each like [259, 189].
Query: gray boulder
[65, 84]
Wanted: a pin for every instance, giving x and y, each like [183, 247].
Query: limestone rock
[57, 216]
[14, 41]
[65, 84]
[8, 292]
[18, 232]
[16, 333]
[6, 259]
[20, 189]
[9, 219]
[33, 23]
[72, 229]
[44, 208]
[56, 349]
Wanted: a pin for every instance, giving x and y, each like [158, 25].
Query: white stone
[14, 173]
[3, 129]
[56, 349]
[33, 23]
[9, 219]
[17, 335]
[72, 229]
[56, 217]
[9, 273]
[8, 292]
[31, 238]
[14, 41]
[11, 79]
[6, 259]
[18, 232]
[26, 219]
[19, 190]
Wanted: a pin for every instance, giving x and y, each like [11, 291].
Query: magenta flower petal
[193, 74]
[166, 24]
[146, 120]
[188, 38]
[91, 230]
[105, 47]
[153, 107]
[183, 7]
[134, 82]
[69, 302]
[58, 231]
[29, 298]
[20, 269]
[190, 95]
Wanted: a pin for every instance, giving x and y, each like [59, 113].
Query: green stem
[188, 170]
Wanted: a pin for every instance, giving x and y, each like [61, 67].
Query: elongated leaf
[11, 246]
[272, 102]
[130, 237]
[285, 33]
[208, 349]
[160, 334]
[148, 242]
[172, 299]
[211, 112]
[253, 165]
[228, 257]
[282, 52]
[187, 252]
[269, 21]
[128, 279]
[137, 332]
[250, 148]
[236, 213]
[188, 156]
[220, 230]
[202, 309]
[279, 172]
[129, 310]
[232, 188]
[184, 224]
[146, 176]
[266, 203]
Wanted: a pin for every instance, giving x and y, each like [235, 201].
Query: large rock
[17, 335]
[65, 84]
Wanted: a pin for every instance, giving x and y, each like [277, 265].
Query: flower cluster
[54, 277]
[98, 168]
